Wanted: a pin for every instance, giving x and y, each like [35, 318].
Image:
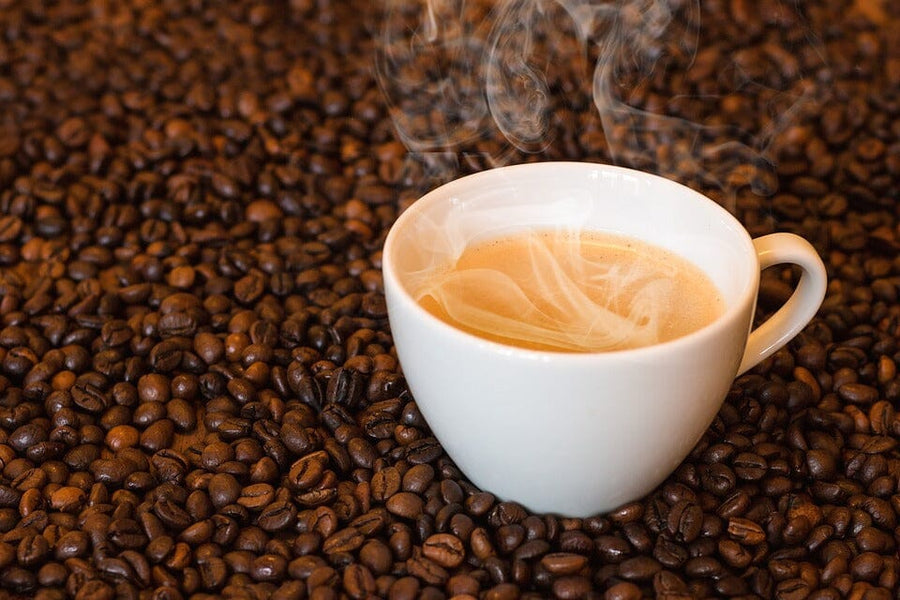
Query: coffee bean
[197, 372]
[749, 466]
[426, 570]
[405, 587]
[734, 554]
[405, 504]
[166, 356]
[423, 451]
[26, 436]
[561, 563]
[639, 568]
[669, 553]
[479, 503]
[858, 393]
[571, 586]
[612, 548]
[345, 540]
[71, 545]
[685, 520]
[745, 531]
[623, 591]
[575, 541]
[32, 550]
[444, 549]
[371, 521]
[308, 471]
[256, 496]
[345, 387]
[358, 581]
[418, 478]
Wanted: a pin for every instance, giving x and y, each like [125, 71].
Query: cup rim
[724, 321]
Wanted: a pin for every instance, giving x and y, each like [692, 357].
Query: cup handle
[801, 307]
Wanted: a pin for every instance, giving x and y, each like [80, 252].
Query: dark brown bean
[405, 504]
[308, 471]
[445, 549]
[427, 570]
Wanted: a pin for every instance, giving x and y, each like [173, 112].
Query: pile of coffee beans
[199, 396]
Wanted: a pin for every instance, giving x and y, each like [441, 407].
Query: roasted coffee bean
[426, 570]
[749, 466]
[200, 395]
[277, 516]
[685, 521]
[669, 553]
[418, 478]
[423, 451]
[445, 549]
[405, 504]
[561, 563]
[612, 548]
[345, 540]
[385, 483]
[256, 496]
[745, 531]
[623, 591]
[371, 521]
[223, 489]
[308, 471]
[345, 387]
[32, 550]
[358, 581]
[72, 545]
[571, 586]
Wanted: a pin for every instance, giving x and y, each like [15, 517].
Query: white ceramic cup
[580, 434]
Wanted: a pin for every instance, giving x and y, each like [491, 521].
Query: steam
[455, 73]
[518, 97]
[564, 302]
[429, 66]
[558, 289]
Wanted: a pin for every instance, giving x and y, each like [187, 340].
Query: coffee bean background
[199, 395]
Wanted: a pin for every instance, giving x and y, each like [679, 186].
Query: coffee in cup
[570, 291]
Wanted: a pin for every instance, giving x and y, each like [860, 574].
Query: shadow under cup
[568, 433]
